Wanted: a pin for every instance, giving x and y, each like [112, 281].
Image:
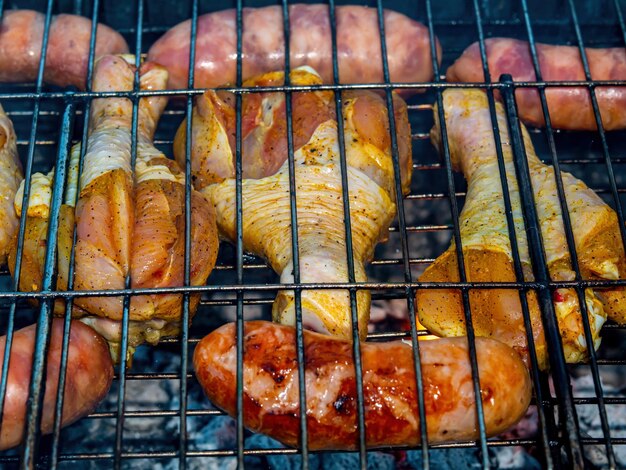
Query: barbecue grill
[49, 120]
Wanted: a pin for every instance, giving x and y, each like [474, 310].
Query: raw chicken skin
[104, 212]
[264, 129]
[10, 177]
[486, 245]
[36, 230]
[321, 228]
[157, 241]
[151, 234]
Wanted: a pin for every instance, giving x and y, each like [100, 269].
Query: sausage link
[88, 378]
[358, 45]
[271, 392]
[570, 107]
[67, 56]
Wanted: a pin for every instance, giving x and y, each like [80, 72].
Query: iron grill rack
[49, 120]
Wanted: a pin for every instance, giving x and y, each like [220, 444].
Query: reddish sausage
[358, 45]
[88, 378]
[391, 416]
[67, 56]
[570, 107]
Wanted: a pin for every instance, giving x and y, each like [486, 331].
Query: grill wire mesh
[49, 120]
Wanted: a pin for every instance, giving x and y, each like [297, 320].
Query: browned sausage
[271, 403]
[67, 56]
[570, 107]
[358, 45]
[88, 378]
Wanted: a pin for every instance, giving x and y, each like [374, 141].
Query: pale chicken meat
[487, 248]
[10, 177]
[130, 221]
[321, 228]
[264, 129]
[323, 256]
[34, 245]
[104, 211]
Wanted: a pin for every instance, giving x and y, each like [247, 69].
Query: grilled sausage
[271, 403]
[88, 378]
[67, 56]
[570, 107]
[358, 45]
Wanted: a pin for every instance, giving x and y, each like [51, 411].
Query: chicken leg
[321, 229]
[128, 223]
[487, 249]
[266, 199]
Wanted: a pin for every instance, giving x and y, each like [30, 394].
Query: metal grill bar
[238, 294]
[121, 397]
[535, 244]
[38, 373]
[519, 275]
[469, 327]
[36, 391]
[239, 242]
[185, 320]
[620, 18]
[56, 435]
[308, 286]
[570, 240]
[419, 382]
[356, 341]
[51, 95]
[295, 251]
[311, 286]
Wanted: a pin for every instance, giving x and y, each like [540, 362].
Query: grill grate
[45, 119]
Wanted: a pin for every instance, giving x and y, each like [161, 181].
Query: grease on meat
[271, 387]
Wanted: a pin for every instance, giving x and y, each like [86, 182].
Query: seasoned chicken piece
[36, 231]
[157, 242]
[486, 244]
[264, 130]
[10, 177]
[149, 243]
[104, 212]
[321, 227]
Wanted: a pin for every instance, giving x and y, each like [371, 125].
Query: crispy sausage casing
[88, 378]
[570, 107]
[271, 403]
[358, 45]
[67, 55]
